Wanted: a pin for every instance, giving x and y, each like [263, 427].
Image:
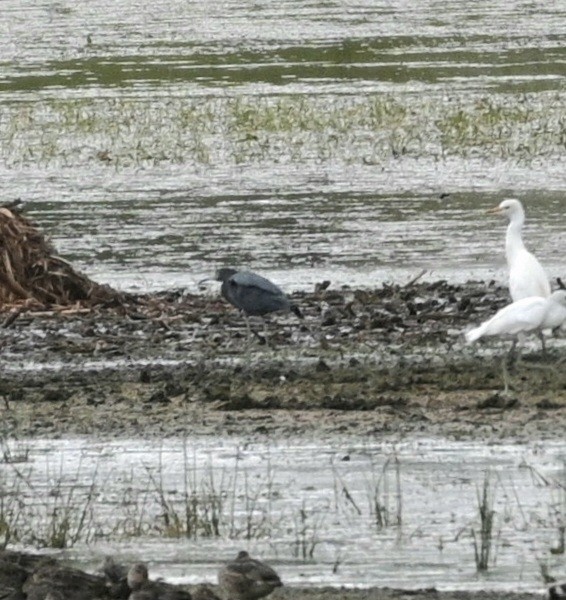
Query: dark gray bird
[254, 294]
[246, 578]
[203, 592]
[144, 589]
[115, 576]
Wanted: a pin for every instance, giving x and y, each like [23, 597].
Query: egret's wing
[524, 315]
[555, 316]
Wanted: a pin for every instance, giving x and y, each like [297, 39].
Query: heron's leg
[249, 330]
[252, 332]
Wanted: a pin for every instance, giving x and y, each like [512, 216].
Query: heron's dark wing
[249, 279]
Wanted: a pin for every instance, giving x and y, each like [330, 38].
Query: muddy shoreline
[385, 362]
[39, 577]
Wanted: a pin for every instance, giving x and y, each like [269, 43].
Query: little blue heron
[254, 294]
[246, 578]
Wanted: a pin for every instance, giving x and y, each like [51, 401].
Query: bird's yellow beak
[493, 211]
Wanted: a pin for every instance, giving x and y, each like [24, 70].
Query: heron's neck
[514, 238]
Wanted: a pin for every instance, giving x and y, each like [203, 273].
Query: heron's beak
[494, 211]
[205, 280]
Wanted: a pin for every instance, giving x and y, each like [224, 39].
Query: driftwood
[31, 271]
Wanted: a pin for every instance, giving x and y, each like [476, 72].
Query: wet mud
[389, 361]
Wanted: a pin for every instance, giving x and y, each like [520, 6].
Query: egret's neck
[514, 239]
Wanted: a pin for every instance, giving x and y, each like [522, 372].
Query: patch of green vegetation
[297, 128]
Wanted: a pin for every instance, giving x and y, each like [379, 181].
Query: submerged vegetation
[125, 131]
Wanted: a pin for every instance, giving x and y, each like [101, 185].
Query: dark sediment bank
[39, 577]
[390, 360]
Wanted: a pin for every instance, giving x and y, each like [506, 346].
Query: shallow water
[154, 143]
[359, 142]
[306, 493]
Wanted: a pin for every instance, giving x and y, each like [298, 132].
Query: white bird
[525, 315]
[534, 314]
[526, 276]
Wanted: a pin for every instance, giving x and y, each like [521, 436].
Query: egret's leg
[542, 341]
[513, 350]
[505, 373]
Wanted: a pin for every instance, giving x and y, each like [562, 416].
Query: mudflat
[391, 360]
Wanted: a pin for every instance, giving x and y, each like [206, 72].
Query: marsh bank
[390, 360]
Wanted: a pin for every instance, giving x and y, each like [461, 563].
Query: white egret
[534, 314]
[526, 276]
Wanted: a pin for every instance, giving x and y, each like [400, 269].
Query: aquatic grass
[125, 132]
[557, 505]
[69, 520]
[136, 520]
[13, 450]
[251, 510]
[386, 507]
[62, 518]
[545, 574]
[560, 548]
[199, 512]
[11, 511]
[383, 494]
[484, 540]
[306, 527]
[214, 503]
[298, 519]
[558, 511]
[256, 522]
